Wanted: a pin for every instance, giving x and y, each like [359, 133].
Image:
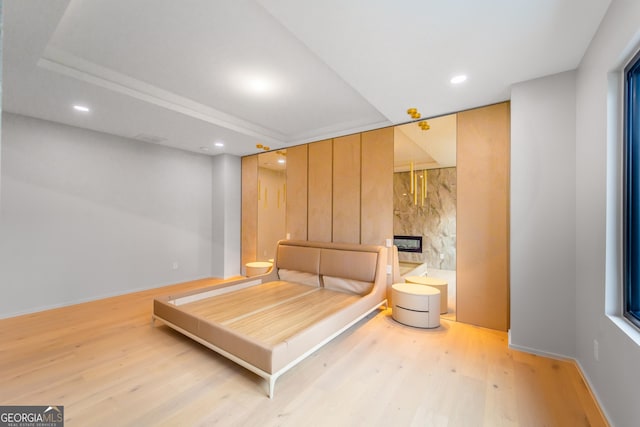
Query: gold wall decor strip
[411, 175]
[415, 187]
[422, 190]
[425, 184]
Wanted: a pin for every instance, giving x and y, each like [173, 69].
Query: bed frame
[270, 323]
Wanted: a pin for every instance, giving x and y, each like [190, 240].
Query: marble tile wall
[435, 221]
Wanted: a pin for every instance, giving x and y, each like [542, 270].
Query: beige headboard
[338, 266]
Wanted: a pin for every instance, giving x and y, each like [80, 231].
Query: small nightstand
[415, 305]
[434, 282]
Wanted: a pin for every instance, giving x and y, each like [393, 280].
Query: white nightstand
[257, 267]
[434, 282]
[416, 305]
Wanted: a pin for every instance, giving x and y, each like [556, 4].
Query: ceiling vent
[150, 138]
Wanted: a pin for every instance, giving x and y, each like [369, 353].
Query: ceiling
[188, 74]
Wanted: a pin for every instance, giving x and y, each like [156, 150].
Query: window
[631, 291]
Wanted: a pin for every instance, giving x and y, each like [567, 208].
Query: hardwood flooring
[109, 367]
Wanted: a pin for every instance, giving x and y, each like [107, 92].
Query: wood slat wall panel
[296, 209]
[320, 191]
[483, 217]
[377, 187]
[346, 184]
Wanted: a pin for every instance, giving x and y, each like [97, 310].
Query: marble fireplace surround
[435, 221]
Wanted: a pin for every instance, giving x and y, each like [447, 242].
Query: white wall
[226, 200]
[546, 212]
[1, 43]
[86, 215]
[616, 374]
[543, 277]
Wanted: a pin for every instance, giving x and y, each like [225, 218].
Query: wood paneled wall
[376, 188]
[338, 190]
[341, 190]
[296, 209]
[346, 193]
[349, 189]
[320, 201]
[483, 217]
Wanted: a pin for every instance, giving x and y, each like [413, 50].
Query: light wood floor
[109, 367]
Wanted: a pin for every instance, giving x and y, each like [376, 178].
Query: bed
[269, 323]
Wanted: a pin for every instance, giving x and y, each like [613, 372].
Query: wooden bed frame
[270, 323]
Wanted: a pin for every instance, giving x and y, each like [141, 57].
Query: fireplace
[408, 243]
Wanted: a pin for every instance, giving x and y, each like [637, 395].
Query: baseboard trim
[576, 362]
[591, 391]
[91, 299]
[538, 352]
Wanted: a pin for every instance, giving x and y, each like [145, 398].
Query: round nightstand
[439, 284]
[415, 305]
[257, 267]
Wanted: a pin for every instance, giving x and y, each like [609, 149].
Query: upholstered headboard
[338, 266]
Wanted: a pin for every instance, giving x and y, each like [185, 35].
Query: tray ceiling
[276, 72]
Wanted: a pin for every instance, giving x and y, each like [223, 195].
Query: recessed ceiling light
[259, 85]
[458, 79]
[204, 148]
[255, 83]
[81, 108]
[219, 144]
